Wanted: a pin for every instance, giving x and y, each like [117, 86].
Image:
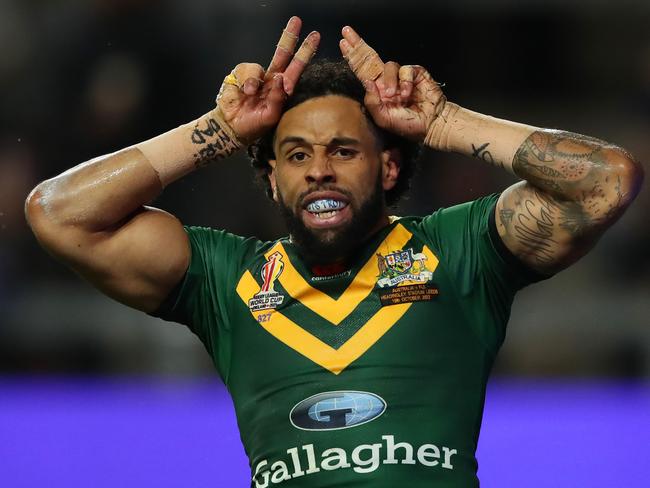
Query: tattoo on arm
[560, 162]
[506, 215]
[576, 170]
[572, 194]
[483, 153]
[211, 141]
[533, 226]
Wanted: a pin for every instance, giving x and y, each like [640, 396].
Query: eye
[298, 157]
[345, 152]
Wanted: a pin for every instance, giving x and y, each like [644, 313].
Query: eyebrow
[336, 141]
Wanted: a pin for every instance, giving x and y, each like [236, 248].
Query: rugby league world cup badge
[267, 298]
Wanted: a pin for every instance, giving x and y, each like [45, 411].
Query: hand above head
[402, 99]
[251, 99]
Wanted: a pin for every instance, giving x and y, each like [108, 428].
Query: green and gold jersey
[374, 376]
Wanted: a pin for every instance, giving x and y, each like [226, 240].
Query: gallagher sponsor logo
[365, 458]
[334, 410]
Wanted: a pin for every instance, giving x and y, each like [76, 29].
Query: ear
[271, 175]
[390, 166]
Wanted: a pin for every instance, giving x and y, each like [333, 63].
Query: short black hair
[324, 77]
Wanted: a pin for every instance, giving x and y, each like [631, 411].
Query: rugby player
[357, 349]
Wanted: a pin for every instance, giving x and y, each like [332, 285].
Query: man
[357, 350]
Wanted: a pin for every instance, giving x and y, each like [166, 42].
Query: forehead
[320, 119]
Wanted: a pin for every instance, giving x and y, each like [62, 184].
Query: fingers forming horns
[250, 78]
[285, 47]
[365, 62]
[288, 41]
[300, 60]
[283, 58]
[284, 61]
[306, 50]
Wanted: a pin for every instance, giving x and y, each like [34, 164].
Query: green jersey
[373, 376]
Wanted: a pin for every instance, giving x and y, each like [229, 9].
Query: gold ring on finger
[231, 79]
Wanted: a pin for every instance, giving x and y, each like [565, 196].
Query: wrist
[440, 132]
[212, 138]
[463, 131]
[190, 146]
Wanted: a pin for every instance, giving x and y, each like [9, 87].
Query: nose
[320, 169]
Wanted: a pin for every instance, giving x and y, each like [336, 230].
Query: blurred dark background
[83, 78]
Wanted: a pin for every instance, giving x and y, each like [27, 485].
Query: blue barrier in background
[86, 432]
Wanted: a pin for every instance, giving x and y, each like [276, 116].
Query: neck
[334, 264]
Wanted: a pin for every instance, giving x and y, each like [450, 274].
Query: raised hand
[251, 99]
[402, 99]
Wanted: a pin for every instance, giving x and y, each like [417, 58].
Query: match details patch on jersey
[408, 294]
[395, 275]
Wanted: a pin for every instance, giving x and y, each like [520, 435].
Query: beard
[327, 246]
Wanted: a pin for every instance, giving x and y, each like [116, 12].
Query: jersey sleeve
[487, 275]
[201, 300]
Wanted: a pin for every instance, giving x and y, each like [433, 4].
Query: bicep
[138, 263]
[545, 233]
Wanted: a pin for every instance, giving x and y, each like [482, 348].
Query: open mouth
[326, 208]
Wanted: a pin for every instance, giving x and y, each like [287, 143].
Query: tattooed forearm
[483, 153]
[211, 141]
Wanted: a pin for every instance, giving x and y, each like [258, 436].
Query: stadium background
[94, 394]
